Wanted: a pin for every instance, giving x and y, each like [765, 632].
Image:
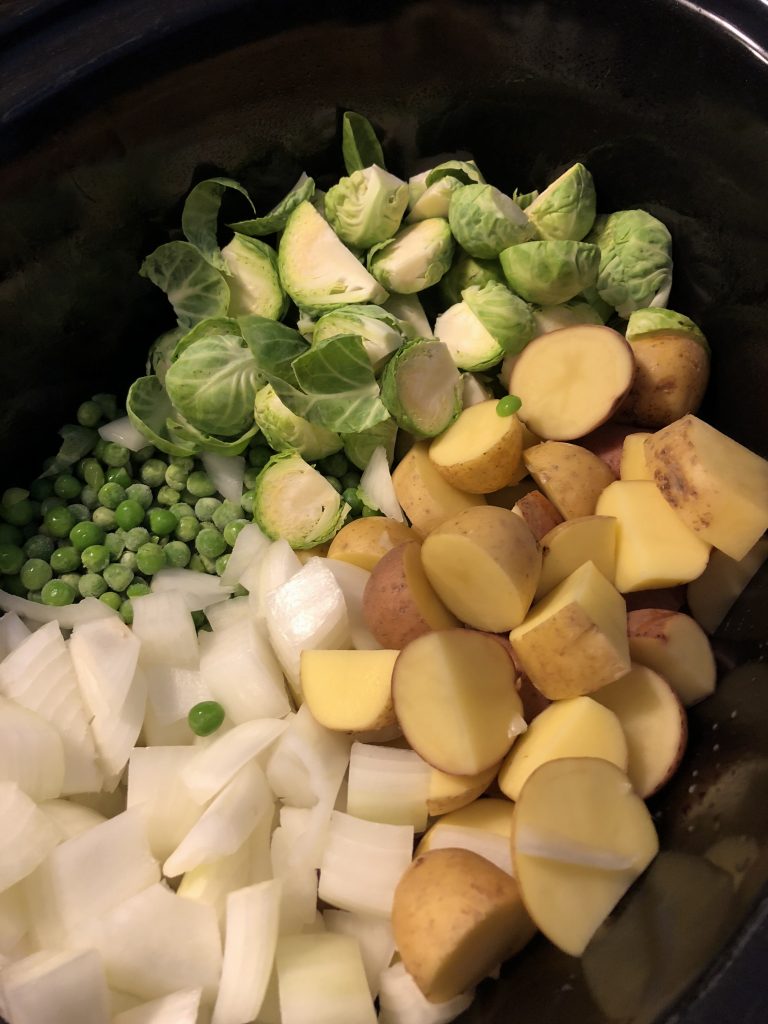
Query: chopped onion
[388, 785]
[352, 580]
[308, 763]
[372, 934]
[67, 617]
[13, 920]
[224, 614]
[493, 847]
[12, 633]
[569, 851]
[163, 734]
[123, 432]
[321, 979]
[214, 766]
[473, 391]
[180, 1007]
[31, 752]
[65, 987]
[155, 788]
[163, 623]
[250, 547]
[401, 1001]
[240, 670]
[278, 564]
[173, 691]
[198, 589]
[296, 853]
[27, 836]
[69, 818]
[226, 472]
[377, 489]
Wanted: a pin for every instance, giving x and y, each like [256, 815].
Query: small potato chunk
[364, 542]
[570, 476]
[606, 442]
[424, 494]
[654, 722]
[484, 565]
[633, 465]
[485, 827]
[491, 814]
[539, 512]
[572, 380]
[714, 593]
[574, 542]
[456, 702]
[575, 640]
[654, 548]
[455, 917]
[718, 488]
[670, 380]
[676, 647]
[449, 793]
[579, 727]
[399, 603]
[481, 452]
[580, 838]
[349, 691]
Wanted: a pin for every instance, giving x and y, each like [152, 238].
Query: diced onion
[174, 691]
[70, 818]
[308, 763]
[388, 785]
[12, 633]
[401, 1001]
[278, 564]
[123, 432]
[226, 472]
[239, 669]
[67, 617]
[180, 1007]
[31, 752]
[13, 921]
[372, 934]
[163, 623]
[377, 489]
[214, 766]
[197, 588]
[250, 547]
[66, 987]
[352, 580]
[228, 613]
[155, 788]
[321, 979]
[26, 838]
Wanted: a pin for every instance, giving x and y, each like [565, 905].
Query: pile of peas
[107, 524]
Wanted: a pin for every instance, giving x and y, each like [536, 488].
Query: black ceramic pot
[110, 110]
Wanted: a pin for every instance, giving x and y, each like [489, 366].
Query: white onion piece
[296, 853]
[57, 988]
[177, 1008]
[105, 655]
[163, 734]
[401, 1001]
[473, 391]
[123, 432]
[362, 864]
[156, 790]
[173, 691]
[240, 670]
[12, 633]
[198, 589]
[321, 979]
[249, 952]
[27, 836]
[163, 623]
[31, 752]
[377, 489]
[278, 564]
[228, 613]
[214, 766]
[250, 547]
[494, 848]
[69, 818]
[13, 919]
[308, 763]
[226, 473]
[67, 617]
[372, 934]
[352, 580]
[661, 298]
[388, 785]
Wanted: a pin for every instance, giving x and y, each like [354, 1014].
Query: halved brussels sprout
[553, 318]
[644, 323]
[635, 260]
[292, 501]
[254, 281]
[464, 172]
[484, 221]
[489, 323]
[366, 207]
[411, 316]
[161, 352]
[566, 208]
[416, 258]
[435, 201]
[549, 273]
[285, 431]
[379, 330]
[360, 447]
[421, 388]
[467, 271]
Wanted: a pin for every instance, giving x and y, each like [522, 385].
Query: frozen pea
[181, 509]
[65, 559]
[82, 535]
[11, 559]
[177, 554]
[126, 612]
[140, 493]
[143, 454]
[38, 547]
[35, 573]
[58, 521]
[200, 484]
[227, 512]
[167, 496]
[92, 585]
[232, 529]
[138, 589]
[335, 483]
[150, 558]
[118, 577]
[89, 496]
[161, 522]
[89, 414]
[130, 560]
[249, 478]
[221, 564]
[108, 405]
[112, 600]
[176, 477]
[21, 513]
[334, 465]
[153, 473]
[79, 511]
[92, 472]
[115, 454]
[205, 507]
[111, 495]
[66, 486]
[95, 558]
[104, 517]
[54, 501]
[115, 544]
[41, 488]
[136, 537]
[57, 593]
[187, 528]
[210, 543]
[119, 475]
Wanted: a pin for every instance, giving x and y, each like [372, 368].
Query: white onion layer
[377, 489]
[122, 431]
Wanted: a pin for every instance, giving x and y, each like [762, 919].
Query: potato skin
[607, 442]
[364, 542]
[426, 497]
[570, 476]
[671, 378]
[484, 469]
[539, 512]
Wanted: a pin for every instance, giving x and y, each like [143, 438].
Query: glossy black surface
[108, 111]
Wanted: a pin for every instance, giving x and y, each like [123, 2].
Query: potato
[654, 548]
[579, 727]
[633, 465]
[399, 603]
[320, 551]
[572, 380]
[508, 497]
[488, 815]
[484, 565]
[575, 640]
[449, 793]
[670, 379]
[654, 722]
[456, 702]
[538, 512]
[349, 691]
[716, 486]
[571, 544]
[571, 477]
[364, 542]
[455, 917]
[676, 647]
[580, 838]
[713, 594]
[533, 701]
[607, 441]
[481, 451]
[485, 827]
[425, 496]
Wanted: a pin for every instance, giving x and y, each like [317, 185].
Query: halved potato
[676, 647]
[713, 594]
[481, 452]
[572, 380]
[508, 497]
[670, 380]
[607, 441]
[425, 496]
[580, 838]
[539, 512]
[570, 476]
[574, 542]
[349, 691]
[449, 793]
[633, 465]
[365, 541]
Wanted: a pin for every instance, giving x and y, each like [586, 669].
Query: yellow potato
[569, 475]
[670, 380]
[633, 465]
[485, 827]
[718, 488]
[575, 640]
[713, 594]
[456, 702]
[320, 551]
[399, 603]
[675, 646]
[484, 565]
[349, 691]
[365, 541]
[539, 512]
[579, 727]
[654, 548]
[425, 496]
[491, 814]
[449, 793]
[455, 917]
[481, 452]
[571, 544]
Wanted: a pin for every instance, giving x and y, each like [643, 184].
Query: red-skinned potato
[670, 598]
[539, 512]
[607, 443]
[676, 647]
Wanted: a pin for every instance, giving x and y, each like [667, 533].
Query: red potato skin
[649, 622]
[533, 701]
[670, 599]
[538, 512]
[606, 443]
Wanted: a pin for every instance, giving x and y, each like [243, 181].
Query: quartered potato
[570, 476]
[481, 451]
[574, 542]
[424, 494]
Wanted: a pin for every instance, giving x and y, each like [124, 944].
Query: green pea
[115, 454]
[140, 493]
[187, 528]
[138, 589]
[79, 511]
[13, 585]
[177, 554]
[103, 516]
[129, 513]
[38, 547]
[12, 496]
[59, 521]
[10, 534]
[166, 496]
[72, 579]
[92, 472]
[35, 595]
[200, 621]
[206, 717]
[126, 612]
[176, 477]
[144, 454]
[508, 405]
[350, 480]
[136, 537]
[221, 564]
[161, 521]
[227, 512]
[250, 477]
[118, 577]
[181, 508]
[232, 530]
[95, 558]
[82, 535]
[352, 497]
[20, 513]
[92, 585]
[335, 483]
[48, 503]
[118, 475]
[247, 501]
[259, 455]
[210, 543]
[89, 414]
[111, 495]
[115, 544]
[205, 507]
[153, 473]
[41, 488]
[89, 496]
[129, 560]
[150, 559]
[57, 593]
[200, 484]
[11, 559]
[334, 465]
[35, 573]
[370, 512]
[66, 486]
[196, 564]
[112, 600]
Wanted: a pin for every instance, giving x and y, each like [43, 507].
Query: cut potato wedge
[575, 640]
[571, 381]
[449, 793]
[654, 722]
[654, 548]
[569, 475]
[349, 691]
[571, 544]
[490, 814]
[424, 494]
[714, 593]
[670, 380]
[718, 488]
[579, 727]
[538, 512]
[484, 564]
[580, 838]
[633, 465]
[481, 452]
[455, 917]
[456, 702]
[676, 647]
[365, 541]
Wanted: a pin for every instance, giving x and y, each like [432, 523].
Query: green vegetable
[66, 486]
[187, 528]
[82, 535]
[548, 273]
[508, 405]
[129, 560]
[88, 414]
[11, 559]
[274, 346]
[635, 260]
[58, 521]
[57, 593]
[104, 518]
[140, 493]
[366, 207]
[111, 495]
[380, 331]
[159, 358]
[465, 272]
[10, 534]
[524, 199]
[35, 573]
[195, 289]
[200, 484]
[421, 388]
[410, 315]
[136, 537]
[484, 221]
[40, 489]
[118, 577]
[435, 200]
[232, 530]
[112, 600]
[206, 717]
[276, 219]
[285, 431]
[150, 410]
[359, 145]
[205, 508]
[91, 585]
[129, 513]
[177, 554]
[505, 316]
[416, 258]
[150, 558]
[295, 502]
[210, 543]
[200, 216]
[553, 318]
[77, 442]
[138, 589]
[65, 559]
[161, 521]
[566, 208]
[95, 558]
[645, 323]
[126, 612]
[254, 282]
[115, 544]
[115, 455]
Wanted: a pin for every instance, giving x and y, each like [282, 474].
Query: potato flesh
[349, 691]
[481, 451]
[633, 465]
[572, 477]
[425, 496]
[570, 381]
[449, 793]
[675, 646]
[654, 548]
[364, 542]
[713, 594]
[598, 836]
[716, 486]
[575, 640]
[574, 542]
[456, 702]
[579, 727]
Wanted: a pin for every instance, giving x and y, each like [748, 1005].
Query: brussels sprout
[467, 271]
[411, 316]
[421, 388]
[379, 330]
[635, 259]
[471, 346]
[285, 431]
[524, 199]
[254, 282]
[200, 217]
[553, 318]
[149, 409]
[489, 323]
[566, 208]
[292, 501]
[360, 447]
[464, 172]
[603, 310]
[360, 146]
[644, 323]
[195, 289]
[484, 221]
[549, 273]
[277, 217]
[366, 207]
[416, 258]
[159, 358]
[317, 269]
[435, 201]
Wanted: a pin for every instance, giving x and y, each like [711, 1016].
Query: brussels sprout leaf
[359, 145]
[149, 408]
[195, 289]
[200, 217]
[277, 217]
[274, 346]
